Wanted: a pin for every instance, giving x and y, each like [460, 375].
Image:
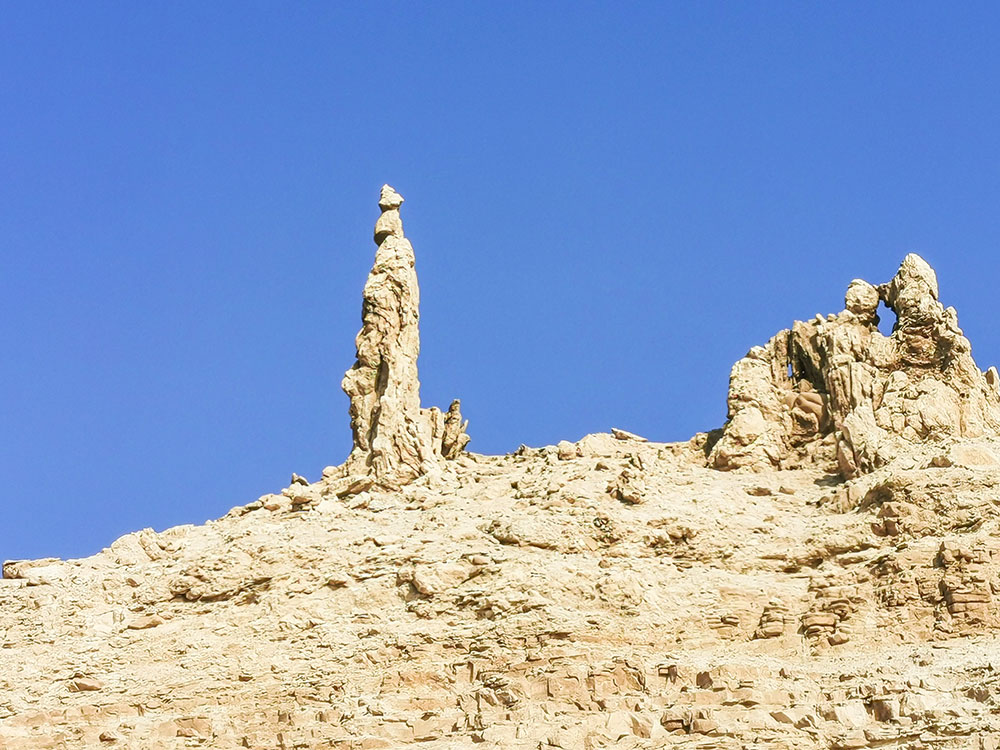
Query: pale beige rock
[836, 392]
[862, 300]
[85, 684]
[395, 440]
[473, 614]
[145, 622]
[993, 378]
[566, 450]
[971, 456]
[626, 435]
[629, 487]
[454, 438]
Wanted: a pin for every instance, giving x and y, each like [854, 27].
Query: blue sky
[610, 203]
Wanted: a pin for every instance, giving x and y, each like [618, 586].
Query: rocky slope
[822, 572]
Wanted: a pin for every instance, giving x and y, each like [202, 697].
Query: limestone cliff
[838, 588]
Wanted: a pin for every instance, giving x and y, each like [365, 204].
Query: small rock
[84, 684]
[673, 721]
[626, 435]
[993, 378]
[786, 716]
[703, 726]
[356, 486]
[819, 619]
[194, 727]
[628, 488]
[146, 622]
[566, 450]
[272, 502]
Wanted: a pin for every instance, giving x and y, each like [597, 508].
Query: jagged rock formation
[609, 593]
[448, 430]
[395, 440]
[836, 390]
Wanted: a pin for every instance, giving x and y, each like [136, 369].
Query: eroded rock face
[605, 593]
[395, 440]
[836, 390]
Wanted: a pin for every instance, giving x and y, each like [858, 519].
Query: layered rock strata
[395, 440]
[835, 390]
[515, 603]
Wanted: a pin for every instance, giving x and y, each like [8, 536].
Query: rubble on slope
[513, 603]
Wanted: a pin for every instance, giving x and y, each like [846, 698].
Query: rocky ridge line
[836, 587]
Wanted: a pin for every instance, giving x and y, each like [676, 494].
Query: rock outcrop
[614, 592]
[834, 390]
[395, 440]
[448, 430]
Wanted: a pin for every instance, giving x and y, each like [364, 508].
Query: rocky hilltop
[821, 572]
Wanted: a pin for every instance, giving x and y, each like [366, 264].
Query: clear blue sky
[610, 203]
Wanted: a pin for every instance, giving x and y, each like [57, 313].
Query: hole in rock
[886, 319]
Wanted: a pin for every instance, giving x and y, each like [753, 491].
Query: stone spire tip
[389, 198]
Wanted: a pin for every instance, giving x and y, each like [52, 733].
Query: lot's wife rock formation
[395, 440]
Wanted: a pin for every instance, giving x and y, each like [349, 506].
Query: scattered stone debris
[628, 487]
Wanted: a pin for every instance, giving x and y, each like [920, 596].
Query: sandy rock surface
[516, 602]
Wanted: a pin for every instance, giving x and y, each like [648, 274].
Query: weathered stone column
[395, 440]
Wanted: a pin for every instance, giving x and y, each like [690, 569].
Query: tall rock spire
[395, 440]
